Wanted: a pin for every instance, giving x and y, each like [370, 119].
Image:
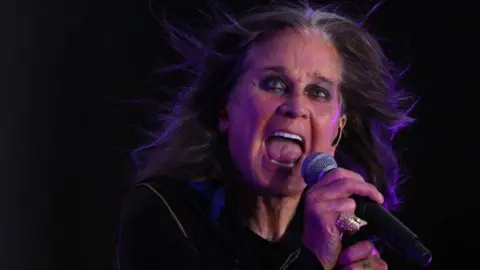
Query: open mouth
[285, 149]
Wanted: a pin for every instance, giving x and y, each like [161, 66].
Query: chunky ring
[349, 222]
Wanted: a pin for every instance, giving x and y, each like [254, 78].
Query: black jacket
[171, 225]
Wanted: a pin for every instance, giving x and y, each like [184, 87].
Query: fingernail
[374, 252]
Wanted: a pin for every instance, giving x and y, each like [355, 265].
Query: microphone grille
[315, 165]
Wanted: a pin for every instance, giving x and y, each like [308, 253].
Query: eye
[274, 84]
[318, 92]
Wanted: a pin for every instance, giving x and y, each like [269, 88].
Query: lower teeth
[287, 165]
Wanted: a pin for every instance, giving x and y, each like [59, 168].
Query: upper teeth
[288, 136]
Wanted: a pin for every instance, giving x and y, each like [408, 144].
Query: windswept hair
[190, 146]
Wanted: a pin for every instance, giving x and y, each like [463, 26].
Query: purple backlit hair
[190, 145]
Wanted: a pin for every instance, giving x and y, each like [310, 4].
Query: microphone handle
[388, 227]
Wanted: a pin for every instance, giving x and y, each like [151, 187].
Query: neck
[267, 216]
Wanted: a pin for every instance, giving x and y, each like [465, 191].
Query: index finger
[345, 187]
[336, 174]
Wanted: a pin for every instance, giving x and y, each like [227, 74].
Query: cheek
[249, 115]
[325, 125]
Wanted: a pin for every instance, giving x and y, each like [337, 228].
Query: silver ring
[350, 222]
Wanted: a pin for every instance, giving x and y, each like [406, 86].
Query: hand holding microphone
[334, 202]
[325, 201]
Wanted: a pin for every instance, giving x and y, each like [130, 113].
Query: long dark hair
[189, 145]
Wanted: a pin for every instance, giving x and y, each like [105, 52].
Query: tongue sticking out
[283, 150]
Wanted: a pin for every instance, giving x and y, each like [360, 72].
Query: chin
[265, 178]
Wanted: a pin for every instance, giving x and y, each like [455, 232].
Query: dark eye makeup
[278, 85]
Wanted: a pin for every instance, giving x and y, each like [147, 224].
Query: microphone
[380, 221]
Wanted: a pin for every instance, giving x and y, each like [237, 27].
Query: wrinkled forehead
[302, 52]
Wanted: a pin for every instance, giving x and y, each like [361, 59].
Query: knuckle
[313, 200]
[370, 189]
[381, 265]
[350, 203]
[357, 176]
[372, 186]
[340, 205]
[344, 183]
[335, 173]
[367, 245]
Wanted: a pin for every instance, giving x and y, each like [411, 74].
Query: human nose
[294, 107]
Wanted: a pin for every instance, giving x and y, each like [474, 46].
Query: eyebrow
[283, 71]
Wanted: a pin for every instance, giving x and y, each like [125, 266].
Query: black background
[68, 68]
